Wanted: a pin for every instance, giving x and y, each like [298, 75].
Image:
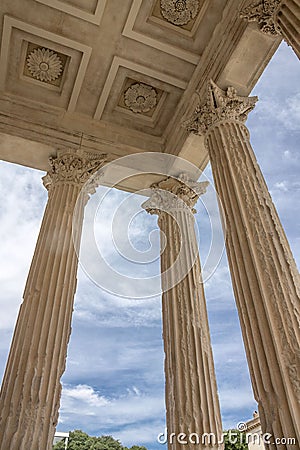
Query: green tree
[79, 440]
[235, 440]
[59, 446]
[106, 443]
[137, 447]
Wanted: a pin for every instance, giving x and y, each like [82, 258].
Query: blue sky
[114, 382]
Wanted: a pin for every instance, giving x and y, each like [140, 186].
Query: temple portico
[96, 82]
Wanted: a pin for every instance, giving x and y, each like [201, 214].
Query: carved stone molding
[73, 167]
[44, 64]
[179, 12]
[140, 98]
[91, 12]
[263, 12]
[174, 194]
[220, 106]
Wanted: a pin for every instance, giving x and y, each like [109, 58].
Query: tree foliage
[235, 440]
[79, 440]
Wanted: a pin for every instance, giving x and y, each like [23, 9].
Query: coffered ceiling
[117, 76]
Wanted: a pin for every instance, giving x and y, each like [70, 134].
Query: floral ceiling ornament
[44, 64]
[179, 12]
[140, 98]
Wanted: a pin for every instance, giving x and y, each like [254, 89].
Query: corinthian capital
[220, 105]
[263, 12]
[74, 167]
[174, 194]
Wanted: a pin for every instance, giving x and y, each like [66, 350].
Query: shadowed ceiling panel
[89, 10]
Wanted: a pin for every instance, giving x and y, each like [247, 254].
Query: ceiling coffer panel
[138, 97]
[41, 66]
[88, 10]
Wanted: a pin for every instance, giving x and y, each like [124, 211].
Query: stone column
[264, 274]
[191, 393]
[30, 393]
[280, 17]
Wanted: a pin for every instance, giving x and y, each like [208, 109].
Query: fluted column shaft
[287, 20]
[30, 393]
[191, 393]
[280, 17]
[264, 274]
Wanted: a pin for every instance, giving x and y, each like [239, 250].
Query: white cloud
[282, 186]
[233, 400]
[289, 114]
[21, 206]
[82, 404]
[85, 394]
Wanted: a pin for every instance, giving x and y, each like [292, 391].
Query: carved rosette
[220, 106]
[263, 12]
[179, 12]
[174, 194]
[140, 98]
[73, 167]
[44, 65]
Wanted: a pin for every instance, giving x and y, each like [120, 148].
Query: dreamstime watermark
[230, 436]
[110, 257]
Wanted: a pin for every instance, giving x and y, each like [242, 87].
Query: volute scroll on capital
[74, 167]
[220, 106]
[174, 194]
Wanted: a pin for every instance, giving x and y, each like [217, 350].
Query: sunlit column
[30, 393]
[264, 274]
[191, 393]
[276, 17]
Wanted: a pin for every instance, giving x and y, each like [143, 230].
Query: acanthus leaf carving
[263, 12]
[73, 167]
[174, 194]
[220, 106]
